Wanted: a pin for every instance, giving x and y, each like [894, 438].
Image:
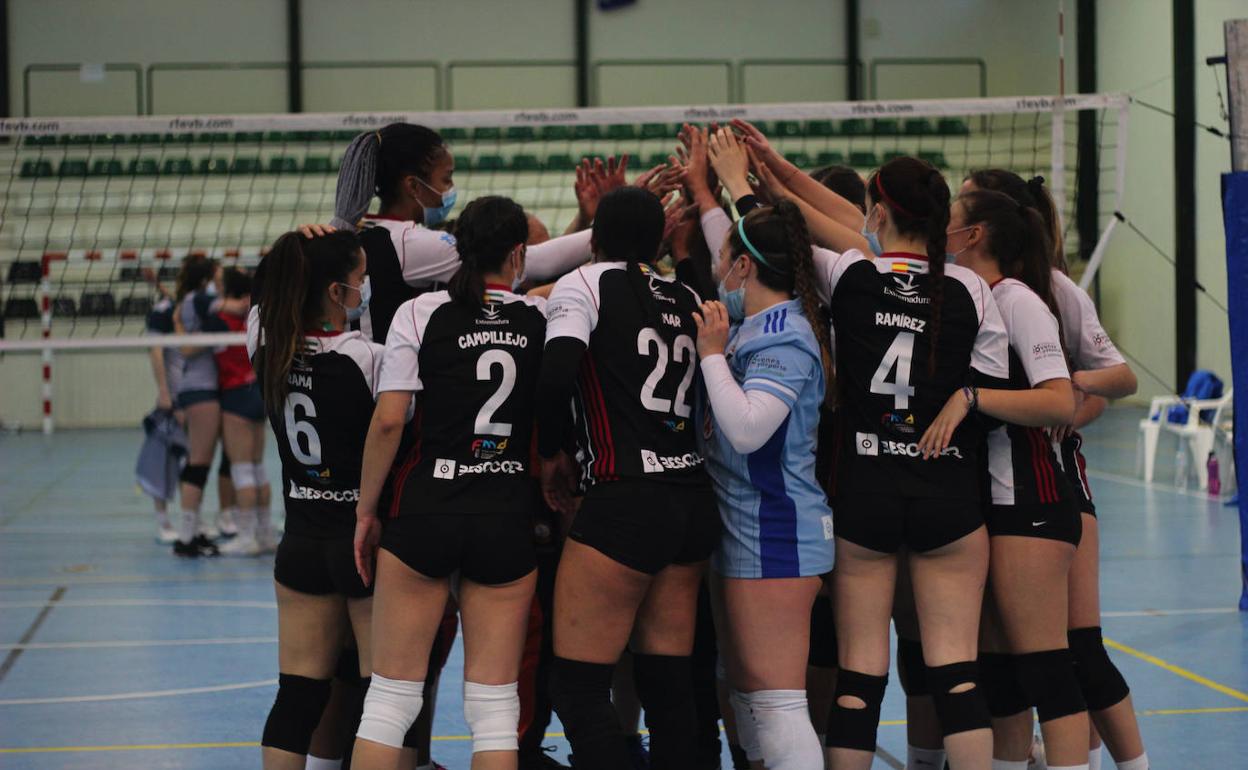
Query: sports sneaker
[166, 535]
[243, 545]
[225, 524]
[542, 760]
[268, 541]
[209, 531]
[199, 546]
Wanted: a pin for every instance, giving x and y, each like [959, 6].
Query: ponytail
[1035, 195]
[486, 233]
[375, 162]
[1017, 237]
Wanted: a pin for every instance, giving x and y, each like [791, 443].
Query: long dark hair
[1029, 192]
[628, 227]
[486, 232]
[780, 234]
[374, 163]
[1017, 238]
[293, 304]
[845, 182]
[917, 198]
[235, 282]
[196, 271]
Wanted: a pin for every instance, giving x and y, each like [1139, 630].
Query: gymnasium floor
[117, 655]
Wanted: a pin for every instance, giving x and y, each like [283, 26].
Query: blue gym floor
[117, 655]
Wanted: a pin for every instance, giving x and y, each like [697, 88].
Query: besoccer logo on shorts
[444, 469]
[868, 444]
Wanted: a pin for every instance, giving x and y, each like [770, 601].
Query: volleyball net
[96, 214]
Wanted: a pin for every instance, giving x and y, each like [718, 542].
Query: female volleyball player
[198, 397]
[463, 498]
[242, 418]
[159, 479]
[623, 336]
[318, 381]
[412, 171]
[765, 383]
[1032, 519]
[1099, 373]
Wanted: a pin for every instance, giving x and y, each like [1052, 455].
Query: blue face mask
[734, 301]
[873, 238]
[366, 293]
[438, 214]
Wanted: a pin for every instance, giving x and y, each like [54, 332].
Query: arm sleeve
[990, 356]
[556, 384]
[747, 418]
[427, 255]
[549, 260]
[572, 310]
[746, 203]
[715, 227]
[400, 363]
[1035, 338]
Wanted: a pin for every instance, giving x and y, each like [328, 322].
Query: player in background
[1099, 373]
[318, 381]
[411, 170]
[765, 382]
[1032, 517]
[620, 338]
[463, 498]
[166, 364]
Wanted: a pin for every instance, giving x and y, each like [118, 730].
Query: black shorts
[887, 524]
[246, 402]
[647, 525]
[319, 566]
[189, 398]
[486, 548]
[1054, 521]
[1076, 469]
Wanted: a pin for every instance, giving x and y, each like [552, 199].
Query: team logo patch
[298, 492]
[488, 448]
[898, 422]
[322, 476]
[675, 426]
[868, 444]
[651, 462]
[444, 469]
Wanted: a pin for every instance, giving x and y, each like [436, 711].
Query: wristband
[972, 397]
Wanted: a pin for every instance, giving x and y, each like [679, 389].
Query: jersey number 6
[296, 428]
[682, 350]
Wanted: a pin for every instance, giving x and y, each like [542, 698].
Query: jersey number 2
[484, 425]
[899, 355]
[296, 428]
[682, 351]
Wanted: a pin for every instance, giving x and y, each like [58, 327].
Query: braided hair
[374, 164]
[486, 232]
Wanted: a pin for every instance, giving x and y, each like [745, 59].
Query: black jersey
[1021, 462]
[889, 392]
[637, 385]
[321, 428]
[474, 370]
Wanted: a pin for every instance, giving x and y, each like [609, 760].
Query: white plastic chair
[1198, 435]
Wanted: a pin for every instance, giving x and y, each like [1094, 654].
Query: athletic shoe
[542, 760]
[226, 525]
[268, 541]
[209, 531]
[166, 535]
[638, 755]
[243, 545]
[206, 546]
[200, 546]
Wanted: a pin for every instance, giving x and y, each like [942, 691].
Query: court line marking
[1131, 481]
[70, 579]
[140, 643]
[11, 659]
[889, 759]
[1169, 613]
[138, 695]
[1177, 670]
[450, 738]
[236, 603]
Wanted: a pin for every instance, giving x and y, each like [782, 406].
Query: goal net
[93, 209]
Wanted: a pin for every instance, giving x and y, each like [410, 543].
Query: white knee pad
[785, 733]
[390, 707]
[492, 712]
[747, 729]
[259, 475]
[243, 475]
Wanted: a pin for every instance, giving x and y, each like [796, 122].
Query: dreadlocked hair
[917, 198]
[1031, 193]
[197, 270]
[628, 227]
[780, 234]
[376, 161]
[292, 305]
[489, 229]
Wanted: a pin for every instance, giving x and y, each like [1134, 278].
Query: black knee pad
[958, 712]
[223, 467]
[665, 688]
[296, 712]
[1048, 679]
[1002, 691]
[1100, 680]
[852, 728]
[911, 669]
[822, 634]
[195, 475]
[581, 695]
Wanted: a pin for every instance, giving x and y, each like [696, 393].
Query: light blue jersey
[777, 522]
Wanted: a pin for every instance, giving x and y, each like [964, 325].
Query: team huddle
[724, 430]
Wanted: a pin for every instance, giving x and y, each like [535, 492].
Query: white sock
[1009, 764]
[921, 759]
[264, 526]
[188, 526]
[319, 763]
[245, 521]
[1139, 763]
[1094, 759]
[1069, 767]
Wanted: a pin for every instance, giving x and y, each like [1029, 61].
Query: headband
[750, 246]
[879, 185]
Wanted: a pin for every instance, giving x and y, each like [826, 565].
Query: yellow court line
[1174, 712]
[1177, 670]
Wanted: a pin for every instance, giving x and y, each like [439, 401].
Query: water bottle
[1181, 476]
[1215, 480]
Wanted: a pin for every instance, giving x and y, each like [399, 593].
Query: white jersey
[1087, 343]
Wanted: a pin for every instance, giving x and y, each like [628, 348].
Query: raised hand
[753, 137]
[731, 162]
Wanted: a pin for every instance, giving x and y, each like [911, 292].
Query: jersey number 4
[683, 351]
[899, 356]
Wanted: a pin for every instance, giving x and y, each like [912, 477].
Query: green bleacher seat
[135, 306]
[72, 167]
[21, 307]
[98, 303]
[821, 128]
[917, 127]
[765, 126]
[935, 157]
[953, 127]
[854, 127]
[587, 132]
[453, 134]
[560, 162]
[39, 141]
[64, 307]
[145, 138]
[317, 165]
[106, 167]
[621, 131]
[490, 163]
[177, 167]
[556, 133]
[487, 134]
[787, 128]
[278, 137]
[830, 158]
[463, 162]
[25, 271]
[863, 159]
[143, 167]
[78, 140]
[282, 164]
[656, 159]
[214, 166]
[110, 139]
[313, 136]
[248, 137]
[893, 155]
[212, 138]
[36, 168]
[799, 159]
[525, 163]
[245, 166]
[520, 134]
[656, 131]
[345, 136]
[885, 127]
[183, 138]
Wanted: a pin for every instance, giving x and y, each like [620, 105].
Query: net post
[45, 322]
[1236, 32]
